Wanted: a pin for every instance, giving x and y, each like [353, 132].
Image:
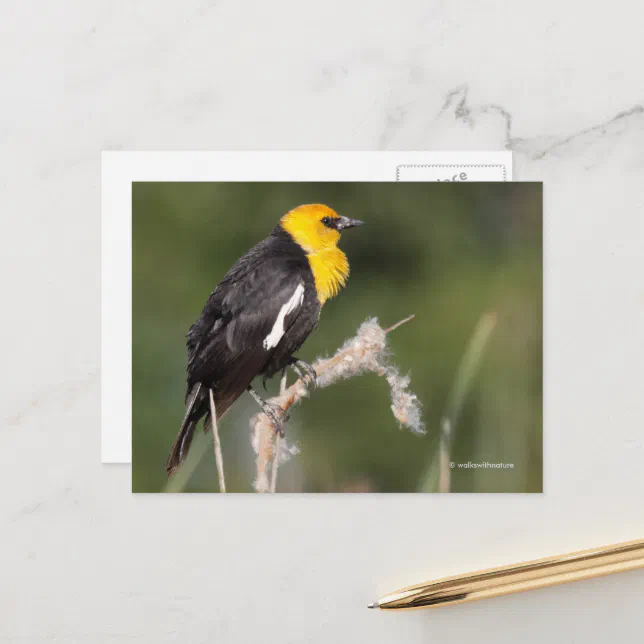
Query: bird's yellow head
[316, 229]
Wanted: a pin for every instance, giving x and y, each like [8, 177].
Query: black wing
[243, 322]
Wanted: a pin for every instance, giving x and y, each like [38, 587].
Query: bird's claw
[306, 373]
[276, 415]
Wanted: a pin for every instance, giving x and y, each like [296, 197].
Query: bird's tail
[196, 408]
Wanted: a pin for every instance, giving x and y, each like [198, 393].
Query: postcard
[364, 335]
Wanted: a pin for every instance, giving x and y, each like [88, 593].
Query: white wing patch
[273, 338]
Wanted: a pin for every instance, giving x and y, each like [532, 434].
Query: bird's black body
[237, 336]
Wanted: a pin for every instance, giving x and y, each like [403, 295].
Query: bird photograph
[260, 315]
[337, 337]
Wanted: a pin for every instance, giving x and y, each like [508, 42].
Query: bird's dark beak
[345, 222]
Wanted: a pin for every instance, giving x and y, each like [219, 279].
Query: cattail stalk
[278, 440]
[219, 459]
[366, 352]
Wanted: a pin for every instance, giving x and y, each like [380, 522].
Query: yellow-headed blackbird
[261, 314]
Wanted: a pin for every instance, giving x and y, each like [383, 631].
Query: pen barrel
[520, 577]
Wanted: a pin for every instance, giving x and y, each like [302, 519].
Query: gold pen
[516, 578]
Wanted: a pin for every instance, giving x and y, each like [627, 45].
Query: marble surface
[558, 83]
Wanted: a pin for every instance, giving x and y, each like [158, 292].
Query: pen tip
[373, 605]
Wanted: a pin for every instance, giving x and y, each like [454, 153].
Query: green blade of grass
[437, 475]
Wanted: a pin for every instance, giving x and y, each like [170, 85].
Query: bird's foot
[305, 372]
[275, 413]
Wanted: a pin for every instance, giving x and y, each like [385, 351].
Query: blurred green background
[448, 252]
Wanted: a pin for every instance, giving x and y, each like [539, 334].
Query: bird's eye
[326, 220]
